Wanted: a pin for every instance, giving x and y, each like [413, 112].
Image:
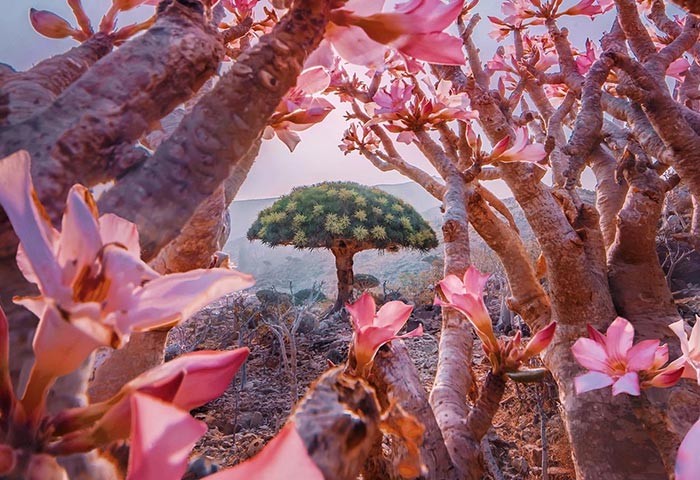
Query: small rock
[200, 468]
[520, 464]
[174, 350]
[335, 356]
[307, 324]
[250, 419]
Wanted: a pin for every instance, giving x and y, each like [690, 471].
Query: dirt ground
[256, 406]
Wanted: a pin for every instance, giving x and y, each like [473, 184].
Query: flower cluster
[94, 290]
[467, 296]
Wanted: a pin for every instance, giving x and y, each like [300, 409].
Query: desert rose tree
[346, 218]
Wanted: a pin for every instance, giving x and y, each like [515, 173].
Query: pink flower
[365, 139]
[688, 460]
[520, 151]
[243, 8]
[513, 355]
[393, 99]
[161, 439]
[589, 8]
[584, 61]
[94, 288]
[186, 382]
[678, 68]
[690, 346]
[467, 296]
[415, 28]
[372, 330]
[300, 108]
[613, 360]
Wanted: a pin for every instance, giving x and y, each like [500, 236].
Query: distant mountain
[243, 214]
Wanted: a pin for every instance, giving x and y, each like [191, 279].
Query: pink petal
[694, 340]
[642, 355]
[174, 298]
[207, 375]
[362, 312]
[437, 14]
[61, 345]
[619, 338]
[161, 439]
[114, 229]
[590, 355]
[688, 460]
[434, 47]
[80, 239]
[679, 329]
[285, 457]
[451, 285]
[475, 310]
[323, 56]
[592, 381]
[290, 139]
[595, 335]
[475, 281]
[660, 357]
[30, 222]
[353, 44]
[628, 383]
[43, 466]
[393, 315]
[49, 24]
[364, 7]
[668, 377]
[540, 341]
[313, 80]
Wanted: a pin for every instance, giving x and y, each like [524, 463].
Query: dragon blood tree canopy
[345, 218]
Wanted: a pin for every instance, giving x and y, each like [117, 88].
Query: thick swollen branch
[659, 63]
[466, 32]
[396, 380]
[453, 378]
[78, 137]
[668, 120]
[338, 419]
[481, 416]
[637, 35]
[29, 92]
[162, 194]
[529, 299]
[589, 121]
[567, 64]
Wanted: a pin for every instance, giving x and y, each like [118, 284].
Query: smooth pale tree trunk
[343, 265]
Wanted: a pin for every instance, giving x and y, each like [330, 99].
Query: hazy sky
[276, 170]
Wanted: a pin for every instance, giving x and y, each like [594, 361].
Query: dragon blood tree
[345, 218]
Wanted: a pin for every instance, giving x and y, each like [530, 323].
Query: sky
[276, 171]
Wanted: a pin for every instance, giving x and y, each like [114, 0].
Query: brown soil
[249, 414]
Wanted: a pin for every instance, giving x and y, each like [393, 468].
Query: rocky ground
[258, 403]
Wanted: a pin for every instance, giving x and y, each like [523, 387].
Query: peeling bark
[27, 93]
[395, 378]
[338, 418]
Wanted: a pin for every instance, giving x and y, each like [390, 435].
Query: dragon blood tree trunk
[344, 254]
